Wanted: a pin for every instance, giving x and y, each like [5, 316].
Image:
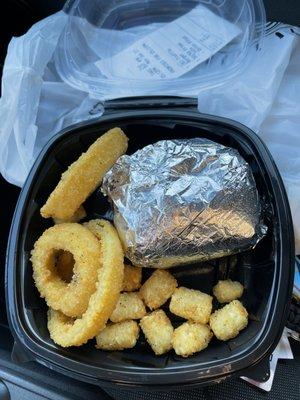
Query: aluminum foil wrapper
[183, 201]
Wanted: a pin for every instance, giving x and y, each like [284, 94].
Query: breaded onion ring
[68, 332]
[84, 175]
[70, 298]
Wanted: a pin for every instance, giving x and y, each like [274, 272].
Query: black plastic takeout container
[266, 271]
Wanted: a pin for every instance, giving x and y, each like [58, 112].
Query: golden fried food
[129, 306]
[70, 298]
[158, 331]
[76, 217]
[69, 332]
[84, 175]
[227, 322]
[132, 278]
[191, 304]
[226, 291]
[123, 335]
[158, 288]
[64, 265]
[191, 337]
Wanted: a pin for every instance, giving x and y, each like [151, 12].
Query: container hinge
[134, 103]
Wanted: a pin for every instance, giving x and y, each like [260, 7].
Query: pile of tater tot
[192, 336]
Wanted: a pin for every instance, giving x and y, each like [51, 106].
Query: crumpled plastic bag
[22, 81]
[36, 104]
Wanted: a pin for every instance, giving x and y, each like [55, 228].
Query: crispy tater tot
[119, 336]
[191, 337]
[191, 304]
[132, 278]
[227, 322]
[158, 331]
[84, 175]
[129, 306]
[158, 288]
[226, 291]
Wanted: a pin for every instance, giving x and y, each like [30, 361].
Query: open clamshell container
[87, 57]
[266, 271]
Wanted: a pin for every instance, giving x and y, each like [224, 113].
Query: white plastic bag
[281, 132]
[36, 104]
[24, 67]
[250, 97]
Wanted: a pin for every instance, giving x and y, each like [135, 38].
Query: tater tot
[191, 304]
[158, 331]
[226, 291]
[132, 278]
[158, 288]
[129, 306]
[119, 336]
[227, 322]
[191, 337]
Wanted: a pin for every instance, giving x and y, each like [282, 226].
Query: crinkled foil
[182, 201]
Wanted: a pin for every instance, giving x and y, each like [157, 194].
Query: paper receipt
[174, 49]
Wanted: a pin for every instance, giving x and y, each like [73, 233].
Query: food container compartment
[266, 271]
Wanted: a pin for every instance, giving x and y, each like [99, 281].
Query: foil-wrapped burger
[182, 201]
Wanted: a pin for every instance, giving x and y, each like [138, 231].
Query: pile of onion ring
[66, 331]
[77, 268]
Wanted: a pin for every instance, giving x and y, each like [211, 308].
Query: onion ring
[84, 175]
[67, 332]
[70, 298]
